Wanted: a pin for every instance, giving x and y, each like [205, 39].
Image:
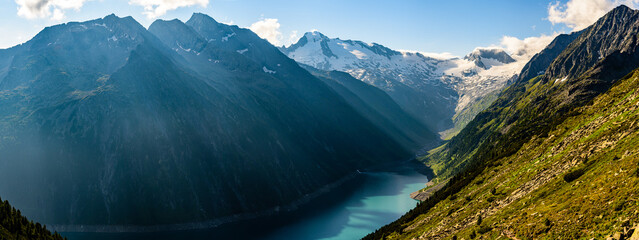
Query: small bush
[619, 205]
[574, 174]
[484, 229]
[547, 222]
[453, 197]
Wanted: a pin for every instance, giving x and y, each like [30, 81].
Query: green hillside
[554, 157]
[581, 181]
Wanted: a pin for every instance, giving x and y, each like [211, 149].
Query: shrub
[619, 205]
[574, 174]
[484, 229]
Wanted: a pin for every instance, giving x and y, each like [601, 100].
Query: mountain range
[440, 92]
[106, 123]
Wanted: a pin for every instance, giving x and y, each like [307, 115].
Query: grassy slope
[527, 195]
[15, 226]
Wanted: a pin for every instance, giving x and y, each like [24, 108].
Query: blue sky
[452, 26]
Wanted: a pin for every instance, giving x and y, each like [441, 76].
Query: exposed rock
[425, 194]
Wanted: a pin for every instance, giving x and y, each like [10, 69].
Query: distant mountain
[410, 79]
[487, 57]
[554, 147]
[432, 89]
[106, 123]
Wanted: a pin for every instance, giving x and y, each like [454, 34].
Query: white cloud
[53, 9]
[157, 8]
[269, 29]
[579, 14]
[293, 37]
[525, 49]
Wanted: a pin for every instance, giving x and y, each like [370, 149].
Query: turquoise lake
[351, 211]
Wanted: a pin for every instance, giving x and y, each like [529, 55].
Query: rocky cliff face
[540, 62]
[106, 123]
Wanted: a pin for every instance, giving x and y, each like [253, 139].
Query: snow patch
[358, 54]
[242, 51]
[266, 70]
[113, 38]
[226, 38]
[102, 25]
[183, 49]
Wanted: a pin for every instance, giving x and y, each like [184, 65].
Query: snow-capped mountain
[481, 72]
[427, 85]
[488, 57]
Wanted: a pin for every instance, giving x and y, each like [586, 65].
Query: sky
[453, 28]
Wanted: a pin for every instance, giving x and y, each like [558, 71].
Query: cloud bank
[525, 49]
[579, 14]
[157, 8]
[52, 9]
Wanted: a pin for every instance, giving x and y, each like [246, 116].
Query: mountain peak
[201, 17]
[114, 18]
[177, 35]
[162, 21]
[314, 36]
[611, 37]
[621, 8]
[112, 15]
[483, 56]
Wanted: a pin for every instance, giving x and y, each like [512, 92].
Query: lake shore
[205, 224]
